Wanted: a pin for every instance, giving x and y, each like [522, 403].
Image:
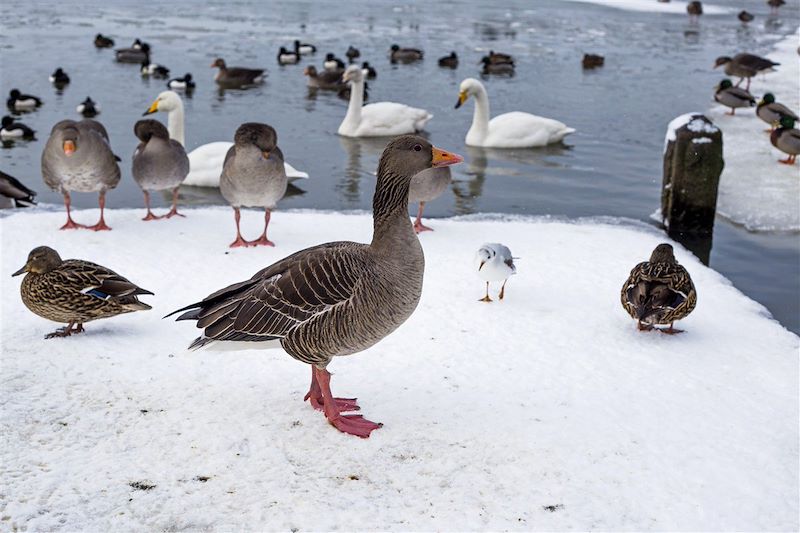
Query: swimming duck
[503, 69]
[694, 9]
[774, 5]
[88, 108]
[496, 58]
[253, 176]
[285, 57]
[378, 119]
[371, 74]
[333, 63]
[771, 111]
[153, 69]
[135, 54]
[745, 66]
[786, 139]
[329, 80]
[78, 157]
[337, 298]
[509, 130]
[181, 84]
[15, 130]
[352, 54]
[159, 163]
[101, 41]
[745, 17]
[733, 97]
[22, 102]
[495, 263]
[75, 291]
[59, 78]
[449, 61]
[304, 48]
[13, 193]
[425, 187]
[659, 291]
[591, 61]
[404, 55]
[236, 76]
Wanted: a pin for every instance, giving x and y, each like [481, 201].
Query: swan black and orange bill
[462, 97]
[442, 158]
[152, 109]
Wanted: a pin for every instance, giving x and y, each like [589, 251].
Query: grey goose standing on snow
[159, 163]
[337, 298]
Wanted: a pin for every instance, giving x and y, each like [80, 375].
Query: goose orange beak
[69, 147]
[442, 159]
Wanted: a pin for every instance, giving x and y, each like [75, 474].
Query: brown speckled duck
[659, 291]
[337, 298]
[74, 291]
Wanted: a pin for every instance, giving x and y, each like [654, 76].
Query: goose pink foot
[314, 396]
[351, 424]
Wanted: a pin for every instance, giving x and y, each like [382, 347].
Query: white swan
[509, 130]
[205, 162]
[381, 119]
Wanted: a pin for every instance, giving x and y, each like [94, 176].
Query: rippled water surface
[657, 66]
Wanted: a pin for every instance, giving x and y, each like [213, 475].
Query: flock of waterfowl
[333, 299]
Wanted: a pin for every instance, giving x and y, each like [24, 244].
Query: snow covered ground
[546, 411]
[652, 6]
[755, 190]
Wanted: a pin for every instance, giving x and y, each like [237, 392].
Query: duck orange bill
[442, 159]
[69, 147]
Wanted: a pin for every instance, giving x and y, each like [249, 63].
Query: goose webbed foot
[351, 424]
[239, 242]
[66, 331]
[174, 213]
[314, 396]
[151, 216]
[419, 227]
[71, 224]
[100, 226]
[261, 241]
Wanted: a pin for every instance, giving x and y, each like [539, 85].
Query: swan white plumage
[205, 162]
[509, 130]
[380, 119]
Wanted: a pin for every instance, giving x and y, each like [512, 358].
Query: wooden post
[692, 167]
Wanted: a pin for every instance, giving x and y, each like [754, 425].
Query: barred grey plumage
[159, 163]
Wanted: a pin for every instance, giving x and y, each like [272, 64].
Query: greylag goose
[285, 57]
[404, 55]
[495, 263]
[101, 41]
[694, 9]
[253, 175]
[449, 61]
[135, 54]
[236, 76]
[337, 298]
[181, 84]
[371, 73]
[75, 291]
[425, 187]
[352, 54]
[11, 129]
[13, 193]
[88, 108]
[658, 291]
[59, 78]
[159, 163]
[304, 48]
[745, 66]
[733, 97]
[329, 80]
[771, 111]
[787, 140]
[22, 102]
[78, 157]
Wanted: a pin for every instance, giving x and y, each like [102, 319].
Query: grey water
[657, 67]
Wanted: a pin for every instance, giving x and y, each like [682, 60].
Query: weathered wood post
[692, 167]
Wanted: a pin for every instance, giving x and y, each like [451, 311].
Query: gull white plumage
[495, 263]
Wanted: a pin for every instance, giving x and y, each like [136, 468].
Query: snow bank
[694, 122]
[546, 411]
[652, 6]
[755, 191]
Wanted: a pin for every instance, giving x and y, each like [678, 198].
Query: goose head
[256, 135]
[147, 129]
[408, 155]
[167, 101]
[41, 259]
[469, 87]
[722, 60]
[219, 63]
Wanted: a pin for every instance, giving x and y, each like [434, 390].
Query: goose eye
[417, 147]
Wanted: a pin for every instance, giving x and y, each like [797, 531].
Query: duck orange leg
[239, 240]
[173, 212]
[66, 331]
[262, 240]
[314, 395]
[101, 224]
[71, 224]
[351, 424]
[788, 161]
[670, 330]
[419, 227]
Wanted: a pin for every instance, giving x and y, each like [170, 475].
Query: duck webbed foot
[66, 331]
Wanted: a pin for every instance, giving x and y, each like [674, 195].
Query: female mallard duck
[159, 163]
[659, 291]
[13, 193]
[771, 111]
[733, 97]
[337, 298]
[101, 41]
[745, 66]
[502, 69]
[787, 140]
[75, 291]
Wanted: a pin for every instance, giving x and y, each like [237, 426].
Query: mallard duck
[337, 298]
[659, 291]
[304, 48]
[285, 57]
[14, 193]
[381, 119]
[88, 108]
[509, 130]
[449, 61]
[495, 263]
[502, 69]
[78, 157]
[496, 58]
[352, 54]
[181, 84]
[75, 291]
[11, 129]
[694, 9]
[159, 163]
[22, 102]
[404, 55]
[236, 76]
[786, 139]
[371, 74]
[253, 176]
[733, 97]
[745, 66]
[774, 5]
[101, 41]
[745, 17]
[425, 187]
[59, 78]
[771, 111]
[328, 80]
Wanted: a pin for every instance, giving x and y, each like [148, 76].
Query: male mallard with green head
[787, 140]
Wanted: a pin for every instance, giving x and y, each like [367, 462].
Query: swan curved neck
[175, 124]
[353, 116]
[480, 116]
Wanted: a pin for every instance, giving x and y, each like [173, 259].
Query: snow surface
[695, 123]
[546, 411]
[652, 6]
[755, 190]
